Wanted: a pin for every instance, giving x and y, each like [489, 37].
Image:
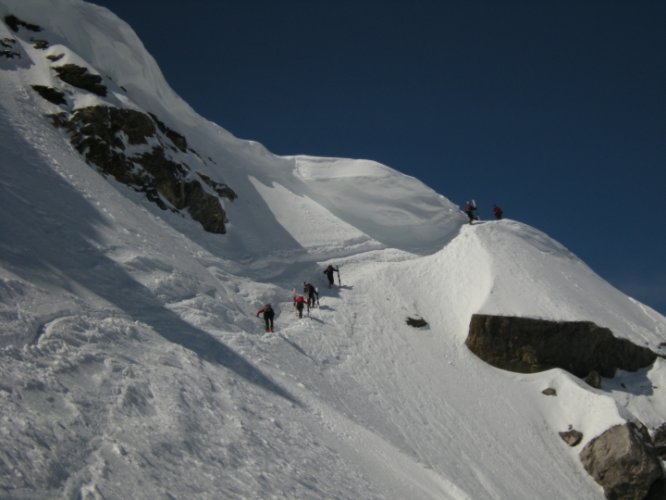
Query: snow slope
[132, 363]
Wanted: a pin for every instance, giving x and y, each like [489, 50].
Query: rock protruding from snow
[528, 345]
[80, 77]
[103, 134]
[622, 462]
[572, 437]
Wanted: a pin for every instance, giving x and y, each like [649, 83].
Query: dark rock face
[106, 123]
[103, 133]
[530, 345]
[221, 189]
[9, 54]
[622, 462]
[50, 94]
[178, 140]
[8, 43]
[79, 77]
[659, 440]
[15, 23]
[658, 490]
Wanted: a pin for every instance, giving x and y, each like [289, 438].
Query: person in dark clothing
[469, 210]
[269, 314]
[329, 274]
[311, 293]
[497, 212]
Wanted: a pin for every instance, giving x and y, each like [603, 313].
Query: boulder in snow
[572, 437]
[528, 345]
[622, 462]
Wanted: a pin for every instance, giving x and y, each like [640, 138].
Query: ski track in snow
[133, 364]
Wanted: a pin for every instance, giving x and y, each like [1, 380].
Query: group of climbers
[470, 211]
[309, 299]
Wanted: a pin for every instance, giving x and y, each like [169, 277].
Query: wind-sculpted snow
[132, 363]
[394, 209]
[555, 284]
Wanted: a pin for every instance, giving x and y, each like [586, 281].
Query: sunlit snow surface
[133, 365]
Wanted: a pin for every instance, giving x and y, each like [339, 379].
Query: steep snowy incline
[555, 284]
[132, 364]
[302, 202]
[431, 398]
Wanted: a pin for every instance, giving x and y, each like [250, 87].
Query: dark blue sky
[556, 110]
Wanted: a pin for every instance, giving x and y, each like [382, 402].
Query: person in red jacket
[299, 303]
[497, 212]
[269, 314]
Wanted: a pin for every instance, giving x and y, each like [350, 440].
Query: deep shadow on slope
[49, 233]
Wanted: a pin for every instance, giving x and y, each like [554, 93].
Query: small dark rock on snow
[572, 437]
[417, 322]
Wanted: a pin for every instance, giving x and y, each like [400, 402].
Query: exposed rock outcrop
[103, 135]
[8, 44]
[622, 462]
[527, 345]
[15, 23]
[623, 459]
[177, 139]
[221, 189]
[50, 94]
[79, 77]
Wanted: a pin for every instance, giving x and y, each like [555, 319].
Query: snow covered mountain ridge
[133, 365]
